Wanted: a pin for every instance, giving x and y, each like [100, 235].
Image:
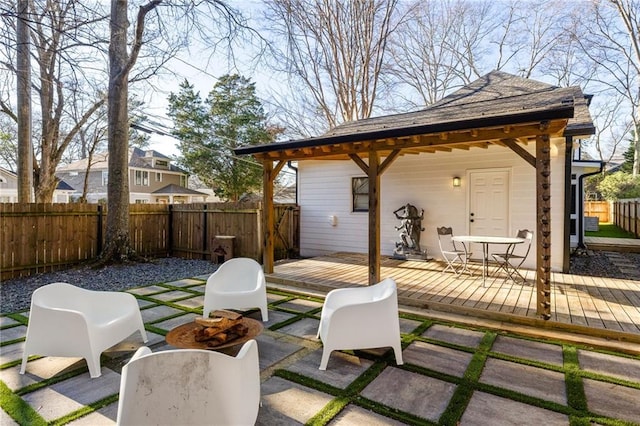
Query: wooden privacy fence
[45, 237]
[599, 209]
[626, 215]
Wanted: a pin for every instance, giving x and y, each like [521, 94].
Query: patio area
[594, 306]
[455, 372]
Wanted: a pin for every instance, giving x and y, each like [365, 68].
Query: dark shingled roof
[174, 189]
[497, 98]
[64, 186]
[495, 94]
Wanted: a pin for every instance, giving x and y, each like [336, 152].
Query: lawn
[609, 230]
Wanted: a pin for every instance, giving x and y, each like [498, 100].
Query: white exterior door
[489, 202]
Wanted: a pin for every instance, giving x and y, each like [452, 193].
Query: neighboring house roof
[174, 189]
[138, 158]
[144, 160]
[496, 99]
[64, 186]
[98, 162]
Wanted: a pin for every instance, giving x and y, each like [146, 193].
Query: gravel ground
[15, 294]
[598, 264]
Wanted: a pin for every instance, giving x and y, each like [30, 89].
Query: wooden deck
[602, 307]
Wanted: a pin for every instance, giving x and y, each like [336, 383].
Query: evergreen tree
[230, 117]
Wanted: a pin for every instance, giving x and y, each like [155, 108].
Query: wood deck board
[594, 302]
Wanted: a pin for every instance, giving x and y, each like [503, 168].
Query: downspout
[568, 158]
[581, 248]
[296, 170]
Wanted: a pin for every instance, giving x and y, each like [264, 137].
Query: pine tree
[230, 117]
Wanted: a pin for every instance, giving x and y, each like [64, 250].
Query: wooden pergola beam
[427, 142]
[268, 176]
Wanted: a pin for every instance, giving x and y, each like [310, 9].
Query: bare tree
[610, 41]
[61, 34]
[335, 51]
[613, 129]
[438, 47]
[25, 156]
[123, 55]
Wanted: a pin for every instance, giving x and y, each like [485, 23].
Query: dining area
[507, 254]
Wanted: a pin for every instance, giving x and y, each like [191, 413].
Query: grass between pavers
[576, 407]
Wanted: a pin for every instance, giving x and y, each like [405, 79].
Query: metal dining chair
[511, 260]
[456, 256]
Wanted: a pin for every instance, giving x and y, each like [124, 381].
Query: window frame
[357, 183]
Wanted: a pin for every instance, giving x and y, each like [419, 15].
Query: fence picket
[45, 237]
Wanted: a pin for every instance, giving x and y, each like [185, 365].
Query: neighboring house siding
[96, 191]
[425, 181]
[8, 187]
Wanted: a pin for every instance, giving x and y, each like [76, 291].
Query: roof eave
[560, 112]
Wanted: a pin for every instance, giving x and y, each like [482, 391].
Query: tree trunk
[25, 150]
[118, 245]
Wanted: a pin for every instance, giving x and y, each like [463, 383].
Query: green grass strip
[328, 412]
[576, 397]
[88, 409]
[422, 328]
[18, 409]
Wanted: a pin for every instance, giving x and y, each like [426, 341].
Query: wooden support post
[543, 226]
[374, 217]
[267, 214]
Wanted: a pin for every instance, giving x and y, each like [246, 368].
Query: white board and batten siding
[425, 181]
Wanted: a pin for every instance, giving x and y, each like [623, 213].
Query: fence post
[204, 232]
[170, 230]
[99, 230]
[635, 219]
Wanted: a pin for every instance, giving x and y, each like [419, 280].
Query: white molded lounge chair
[69, 321]
[190, 387]
[360, 318]
[238, 283]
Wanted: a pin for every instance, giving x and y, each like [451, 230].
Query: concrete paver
[306, 328]
[534, 381]
[437, 358]
[300, 305]
[171, 295]
[528, 349]
[158, 312]
[61, 398]
[341, 370]
[613, 400]
[399, 389]
[484, 409]
[455, 335]
[288, 403]
[354, 415]
[615, 366]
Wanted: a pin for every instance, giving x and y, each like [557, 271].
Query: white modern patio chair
[360, 318]
[238, 283]
[69, 321]
[456, 255]
[511, 260]
[190, 387]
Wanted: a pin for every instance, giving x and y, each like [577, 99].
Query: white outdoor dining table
[485, 240]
